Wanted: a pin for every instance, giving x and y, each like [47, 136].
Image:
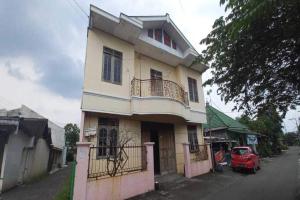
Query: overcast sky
[42, 50]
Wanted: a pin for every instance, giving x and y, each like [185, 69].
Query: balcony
[159, 88]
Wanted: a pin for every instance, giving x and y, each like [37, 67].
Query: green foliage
[64, 194]
[72, 136]
[291, 139]
[254, 53]
[269, 124]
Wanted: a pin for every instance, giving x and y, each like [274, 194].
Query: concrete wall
[20, 153]
[94, 59]
[105, 97]
[181, 136]
[195, 168]
[40, 159]
[133, 129]
[116, 188]
[57, 132]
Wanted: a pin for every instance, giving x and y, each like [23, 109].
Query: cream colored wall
[181, 136]
[94, 60]
[144, 64]
[182, 74]
[98, 95]
[178, 74]
[127, 128]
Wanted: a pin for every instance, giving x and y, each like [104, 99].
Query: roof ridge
[229, 118]
[218, 116]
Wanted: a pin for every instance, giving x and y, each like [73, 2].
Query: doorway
[156, 83]
[162, 135]
[155, 138]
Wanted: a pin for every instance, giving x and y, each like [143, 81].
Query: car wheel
[254, 170]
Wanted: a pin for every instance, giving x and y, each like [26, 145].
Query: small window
[167, 39]
[193, 138]
[158, 35]
[174, 46]
[150, 33]
[193, 91]
[107, 136]
[112, 66]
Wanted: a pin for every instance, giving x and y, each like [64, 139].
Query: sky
[42, 50]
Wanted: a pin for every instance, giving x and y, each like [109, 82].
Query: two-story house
[140, 81]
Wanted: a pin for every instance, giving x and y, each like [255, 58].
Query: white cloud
[68, 24]
[16, 92]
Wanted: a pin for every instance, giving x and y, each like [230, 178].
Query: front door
[154, 137]
[156, 83]
[164, 148]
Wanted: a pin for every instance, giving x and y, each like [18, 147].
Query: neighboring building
[226, 132]
[140, 78]
[30, 146]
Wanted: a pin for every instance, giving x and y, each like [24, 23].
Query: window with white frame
[107, 136]
[193, 138]
[112, 66]
[193, 90]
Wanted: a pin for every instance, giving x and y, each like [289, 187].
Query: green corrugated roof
[217, 119]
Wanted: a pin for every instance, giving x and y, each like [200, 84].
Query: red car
[244, 158]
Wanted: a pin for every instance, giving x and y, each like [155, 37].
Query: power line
[76, 7]
[80, 8]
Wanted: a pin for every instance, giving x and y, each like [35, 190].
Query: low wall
[120, 187]
[111, 188]
[200, 167]
[196, 168]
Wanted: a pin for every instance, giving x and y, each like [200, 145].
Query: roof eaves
[104, 13]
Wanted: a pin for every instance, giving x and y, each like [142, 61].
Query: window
[167, 39]
[112, 66]
[174, 44]
[107, 136]
[158, 35]
[193, 139]
[150, 33]
[193, 91]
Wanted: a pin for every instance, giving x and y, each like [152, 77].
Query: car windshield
[240, 151]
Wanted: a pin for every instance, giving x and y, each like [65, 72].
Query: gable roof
[132, 29]
[218, 120]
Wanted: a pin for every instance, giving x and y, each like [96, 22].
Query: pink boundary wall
[195, 168]
[114, 188]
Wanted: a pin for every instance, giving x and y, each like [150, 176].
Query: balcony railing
[158, 87]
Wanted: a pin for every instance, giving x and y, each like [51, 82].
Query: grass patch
[64, 194]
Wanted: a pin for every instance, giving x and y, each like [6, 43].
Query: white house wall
[13, 159]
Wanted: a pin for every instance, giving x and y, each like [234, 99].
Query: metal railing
[199, 153]
[109, 161]
[158, 87]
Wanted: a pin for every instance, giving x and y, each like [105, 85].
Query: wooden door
[167, 150]
[156, 83]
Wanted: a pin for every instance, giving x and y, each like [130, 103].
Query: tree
[291, 139]
[72, 136]
[269, 124]
[254, 54]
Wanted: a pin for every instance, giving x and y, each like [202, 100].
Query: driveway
[277, 180]
[44, 189]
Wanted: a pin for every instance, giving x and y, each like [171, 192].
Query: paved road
[277, 180]
[45, 189]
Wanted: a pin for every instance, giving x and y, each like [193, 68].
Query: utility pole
[210, 140]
